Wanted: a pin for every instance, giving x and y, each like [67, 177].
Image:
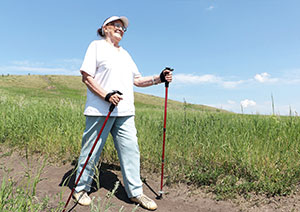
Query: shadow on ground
[106, 178]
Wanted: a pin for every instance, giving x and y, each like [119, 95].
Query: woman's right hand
[115, 99]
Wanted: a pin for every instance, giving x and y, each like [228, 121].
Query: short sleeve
[89, 64]
[136, 72]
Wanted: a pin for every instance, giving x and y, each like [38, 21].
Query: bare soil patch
[178, 197]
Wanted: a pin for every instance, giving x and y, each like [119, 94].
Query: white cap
[114, 18]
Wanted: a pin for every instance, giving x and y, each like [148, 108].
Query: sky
[235, 55]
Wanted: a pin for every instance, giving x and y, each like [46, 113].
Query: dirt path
[180, 198]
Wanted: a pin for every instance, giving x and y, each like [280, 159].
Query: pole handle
[112, 106]
[170, 69]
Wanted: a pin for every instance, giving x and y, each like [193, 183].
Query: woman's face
[115, 30]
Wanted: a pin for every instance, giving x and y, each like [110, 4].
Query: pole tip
[159, 197]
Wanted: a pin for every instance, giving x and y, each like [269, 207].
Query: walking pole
[111, 108]
[164, 138]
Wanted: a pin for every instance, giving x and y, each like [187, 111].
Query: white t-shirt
[113, 69]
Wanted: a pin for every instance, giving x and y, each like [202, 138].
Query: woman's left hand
[166, 75]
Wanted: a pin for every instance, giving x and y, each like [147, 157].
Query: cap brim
[125, 21]
[115, 18]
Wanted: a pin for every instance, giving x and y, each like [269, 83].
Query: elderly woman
[107, 67]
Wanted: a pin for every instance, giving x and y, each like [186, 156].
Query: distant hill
[72, 87]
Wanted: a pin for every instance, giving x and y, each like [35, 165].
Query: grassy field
[227, 153]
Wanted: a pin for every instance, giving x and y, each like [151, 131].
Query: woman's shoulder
[125, 52]
[98, 42]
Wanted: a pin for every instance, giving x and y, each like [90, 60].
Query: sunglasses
[118, 25]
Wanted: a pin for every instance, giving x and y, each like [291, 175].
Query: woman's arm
[152, 80]
[89, 81]
[146, 81]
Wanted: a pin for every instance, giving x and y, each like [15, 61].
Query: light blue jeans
[123, 132]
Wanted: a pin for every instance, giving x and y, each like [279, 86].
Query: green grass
[227, 153]
[230, 153]
[20, 196]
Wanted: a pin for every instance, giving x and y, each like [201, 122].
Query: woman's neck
[113, 42]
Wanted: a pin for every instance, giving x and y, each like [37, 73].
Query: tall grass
[51, 127]
[228, 153]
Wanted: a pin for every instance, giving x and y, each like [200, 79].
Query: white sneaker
[145, 202]
[82, 198]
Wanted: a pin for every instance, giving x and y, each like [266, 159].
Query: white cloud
[248, 103]
[252, 107]
[194, 79]
[207, 78]
[231, 102]
[292, 78]
[64, 67]
[232, 84]
[210, 8]
[264, 77]
[27, 63]
[72, 60]
[35, 69]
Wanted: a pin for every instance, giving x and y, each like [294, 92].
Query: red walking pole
[164, 138]
[111, 108]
